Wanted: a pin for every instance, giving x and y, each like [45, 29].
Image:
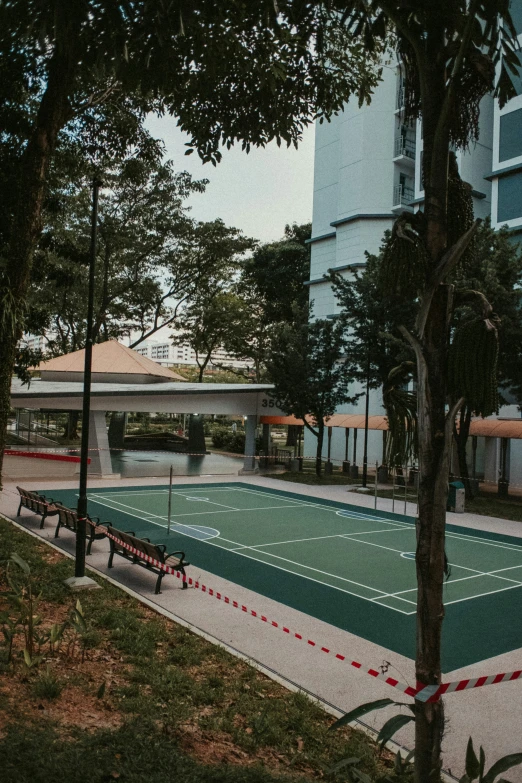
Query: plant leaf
[392, 726]
[502, 765]
[362, 710]
[472, 762]
[343, 763]
[21, 563]
[101, 691]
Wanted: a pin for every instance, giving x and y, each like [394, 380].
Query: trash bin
[456, 497]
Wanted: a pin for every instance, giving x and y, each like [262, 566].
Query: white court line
[314, 538]
[477, 575]
[302, 565]
[201, 513]
[311, 503]
[482, 595]
[361, 515]
[397, 526]
[453, 565]
[119, 503]
[448, 603]
[204, 500]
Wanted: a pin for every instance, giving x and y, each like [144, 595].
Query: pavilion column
[491, 460]
[99, 445]
[249, 464]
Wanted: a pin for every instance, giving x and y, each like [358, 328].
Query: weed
[47, 686]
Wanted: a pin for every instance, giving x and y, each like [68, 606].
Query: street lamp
[79, 580]
[366, 412]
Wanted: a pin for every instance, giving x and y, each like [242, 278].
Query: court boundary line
[399, 525]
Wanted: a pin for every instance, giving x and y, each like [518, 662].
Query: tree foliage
[305, 363]
[145, 266]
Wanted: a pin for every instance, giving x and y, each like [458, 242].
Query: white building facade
[367, 170]
[166, 353]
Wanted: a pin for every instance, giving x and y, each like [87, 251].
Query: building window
[510, 145]
[509, 197]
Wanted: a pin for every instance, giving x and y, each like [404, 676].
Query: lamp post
[366, 412]
[80, 581]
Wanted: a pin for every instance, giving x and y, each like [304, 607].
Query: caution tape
[67, 450]
[422, 692]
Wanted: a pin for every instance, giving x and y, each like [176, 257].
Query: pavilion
[124, 381]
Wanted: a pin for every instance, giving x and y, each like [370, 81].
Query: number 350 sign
[270, 406]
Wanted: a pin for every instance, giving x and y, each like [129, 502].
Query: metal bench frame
[38, 504]
[175, 560]
[68, 518]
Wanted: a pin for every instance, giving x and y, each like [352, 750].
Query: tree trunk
[434, 432]
[461, 439]
[430, 556]
[319, 452]
[25, 228]
[71, 432]
[116, 431]
[196, 435]
[291, 435]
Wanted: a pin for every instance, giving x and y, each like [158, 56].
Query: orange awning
[489, 428]
[281, 420]
[357, 421]
[496, 428]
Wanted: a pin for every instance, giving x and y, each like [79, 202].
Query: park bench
[38, 504]
[143, 549]
[68, 518]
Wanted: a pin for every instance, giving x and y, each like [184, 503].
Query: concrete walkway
[491, 715]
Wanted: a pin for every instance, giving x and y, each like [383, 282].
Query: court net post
[170, 501]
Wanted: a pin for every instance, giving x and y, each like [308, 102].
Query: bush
[220, 435]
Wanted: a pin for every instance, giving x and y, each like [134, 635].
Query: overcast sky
[259, 193]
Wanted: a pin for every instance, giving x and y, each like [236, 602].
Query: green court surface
[346, 565]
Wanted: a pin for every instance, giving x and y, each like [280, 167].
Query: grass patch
[47, 686]
[151, 700]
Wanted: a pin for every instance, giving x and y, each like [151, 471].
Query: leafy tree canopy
[305, 363]
[276, 272]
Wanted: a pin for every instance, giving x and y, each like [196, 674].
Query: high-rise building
[367, 171]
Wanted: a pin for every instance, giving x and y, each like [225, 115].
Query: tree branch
[450, 418]
[417, 347]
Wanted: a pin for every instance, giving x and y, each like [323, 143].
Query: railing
[402, 195]
[405, 146]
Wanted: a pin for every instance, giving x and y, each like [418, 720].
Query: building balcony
[402, 197]
[405, 150]
[399, 98]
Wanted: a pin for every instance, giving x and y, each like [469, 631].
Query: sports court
[348, 566]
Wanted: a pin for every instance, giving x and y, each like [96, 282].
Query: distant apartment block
[165, 353]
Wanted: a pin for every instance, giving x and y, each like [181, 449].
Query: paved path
[490, 715]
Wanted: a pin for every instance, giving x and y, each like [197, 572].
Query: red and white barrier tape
[422, 692]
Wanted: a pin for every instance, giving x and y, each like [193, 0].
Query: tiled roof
[109, 357]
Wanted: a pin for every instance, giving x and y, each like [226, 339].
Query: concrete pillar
[491, 460]
[249, 464]
[99, 445]
[267, 430]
